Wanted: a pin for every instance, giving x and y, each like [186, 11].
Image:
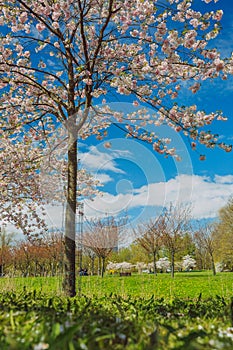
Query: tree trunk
[103, 266]
[99, 265]
[92, 265]
[173, 264]
[69, 258]
[154, 263]
[213, 265]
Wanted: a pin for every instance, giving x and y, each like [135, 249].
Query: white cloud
[206, 196]
[103, 178]
[227, 179]
[55, 216]
[97, 161]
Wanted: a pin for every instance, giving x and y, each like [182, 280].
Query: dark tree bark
[154, 262]
[103, 266]
[69, 259]
[172, 264]
[213, 264]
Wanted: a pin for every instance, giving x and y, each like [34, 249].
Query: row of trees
[169, 237]
[31, 258]
[208, 243]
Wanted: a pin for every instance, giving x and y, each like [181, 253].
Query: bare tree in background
[176, 221]
[149, 237]
[201, 255]
[91, 258]
[6, 240]
[54, 245]
[205, 236]
[102, 236]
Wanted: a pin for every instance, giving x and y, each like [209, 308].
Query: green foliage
[187, 247]
[184, 285]
[32, 320]
[193, 311]
[223, 236]
[132, 254]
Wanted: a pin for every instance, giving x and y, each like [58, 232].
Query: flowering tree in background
[58, 59]
[163, 264]
[188, 263]
[111, 266]
[140, 266]
[122, 266]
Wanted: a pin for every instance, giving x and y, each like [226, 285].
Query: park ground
[192, 311]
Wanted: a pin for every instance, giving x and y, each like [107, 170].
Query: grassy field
[193, 311]
[184, 285]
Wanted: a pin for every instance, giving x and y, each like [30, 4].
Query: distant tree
[204, 237]
[6, 241]
[111, 266]
[149, 237]
[122, 266]
[201, 255]
[124, 253]
[225, 216]
[53, 244]
[140, 266]
[223, 235]
[39, 257]
[187, 246]
[88, 259]
[163, 264]
[135, 254]
[102, 236]
[188, 262]
[23, 260]
[175, 227]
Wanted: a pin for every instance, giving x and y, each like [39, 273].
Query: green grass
[34, 321]
[193, 311]
[184, 285]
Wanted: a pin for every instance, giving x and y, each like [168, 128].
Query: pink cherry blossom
[202, 157]
[56, 15]
[218, 15]
[195, 87]
[23, 17]
[219, 64]
[55, 25]
[40, 27]
[107, 145]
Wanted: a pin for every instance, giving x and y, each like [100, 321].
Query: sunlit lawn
[184, 285]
